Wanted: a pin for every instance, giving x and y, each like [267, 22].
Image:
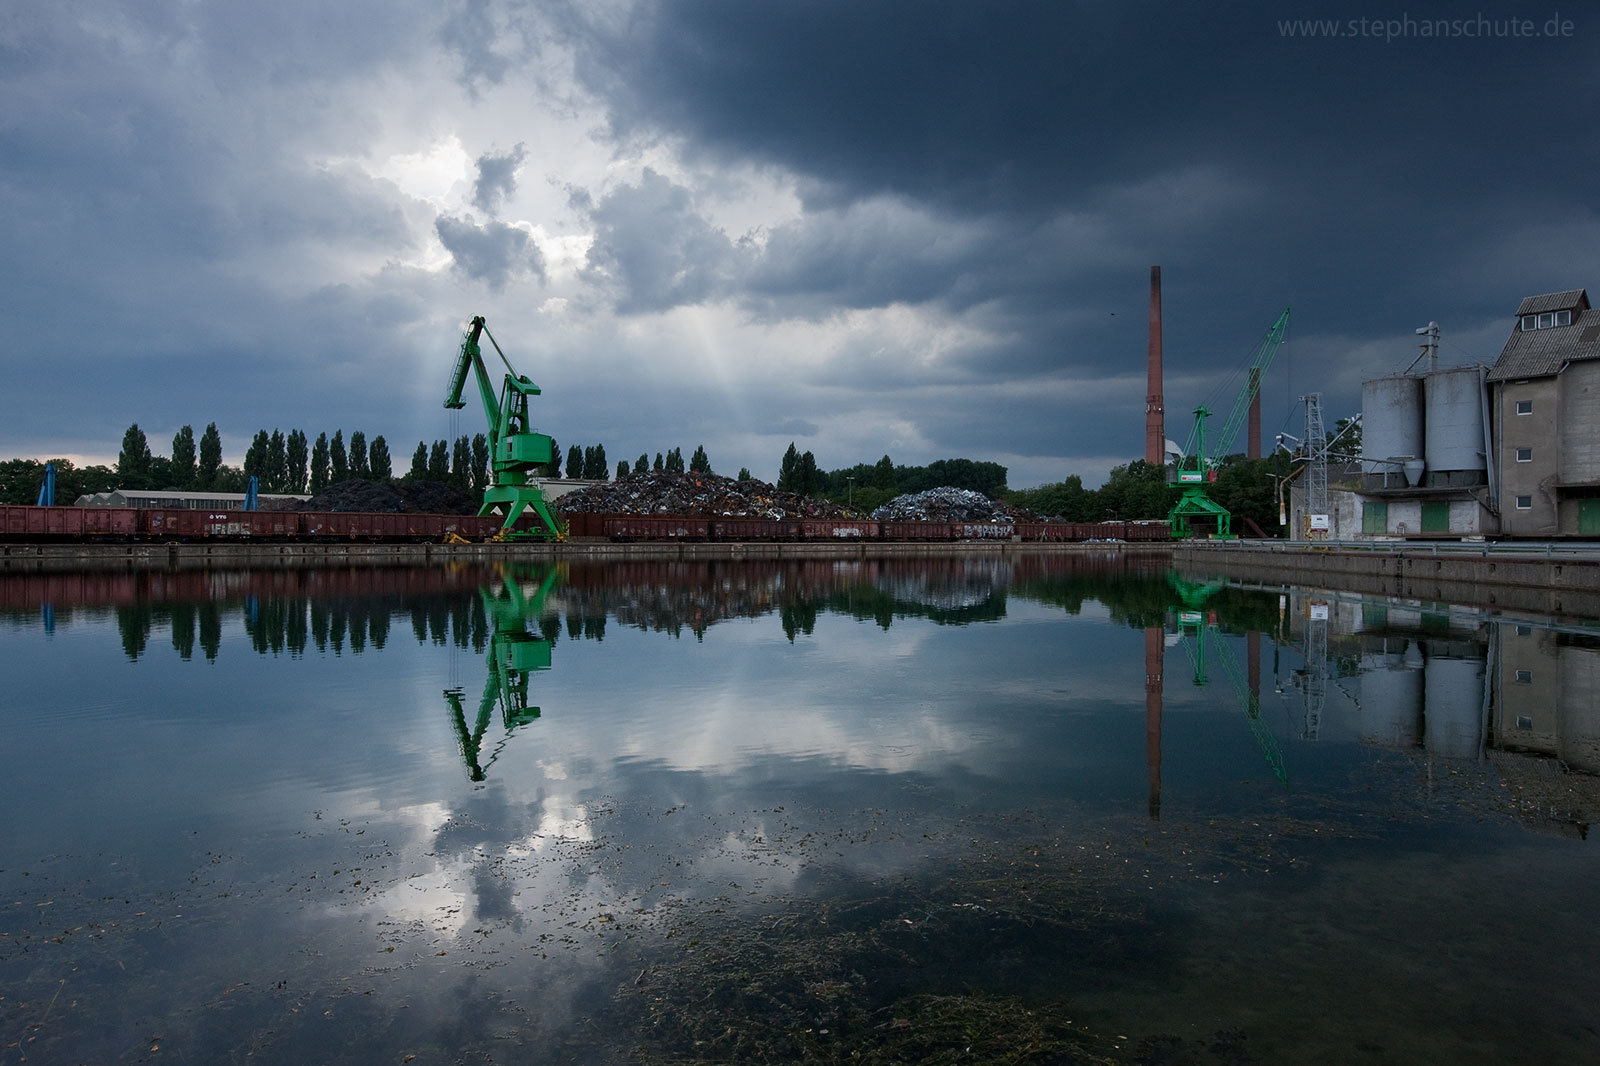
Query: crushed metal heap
[944, 504]
[667, 492]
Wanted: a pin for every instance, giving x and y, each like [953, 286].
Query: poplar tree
[133, 462]
[255, 456]
[439, 462]
[338, 459]
[788, 468]
[358, 455]
[183, 458]
[277, 465]
[319, 464]
[480, 462]
[210, 457]
[419, 463]
[297, 456]
[380, 461]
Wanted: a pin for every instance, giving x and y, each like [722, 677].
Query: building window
[1524, 503]
[1524, 455]
[1524, 677]
[1546, 320]
[1524, 631]
[1524, 407]
[1525, 722]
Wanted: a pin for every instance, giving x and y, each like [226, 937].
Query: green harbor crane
[514, 449]
[1198, 466]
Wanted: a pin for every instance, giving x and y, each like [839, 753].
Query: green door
[1374, 516]
[1436, 516]
[1589, 516]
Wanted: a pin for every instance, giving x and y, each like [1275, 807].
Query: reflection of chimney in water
[1154, 649]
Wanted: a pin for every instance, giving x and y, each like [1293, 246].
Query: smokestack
[1155, 430]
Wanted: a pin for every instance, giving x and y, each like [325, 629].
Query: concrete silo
[1454, 447]
[1391, 428]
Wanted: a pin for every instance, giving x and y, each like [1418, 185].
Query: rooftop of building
[1543, 352]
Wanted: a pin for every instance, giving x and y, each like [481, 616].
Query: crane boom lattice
[1198, 466]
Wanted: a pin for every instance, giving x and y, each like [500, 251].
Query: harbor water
[1036, 808]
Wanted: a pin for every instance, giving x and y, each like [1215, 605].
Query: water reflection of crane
[514, 653]
[1195, 623]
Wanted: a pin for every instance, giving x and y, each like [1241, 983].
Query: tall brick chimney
[1155, 430]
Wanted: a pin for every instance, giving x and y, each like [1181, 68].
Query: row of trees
[1139, 490]
[288, 462]
[870, 485]
[590, 463]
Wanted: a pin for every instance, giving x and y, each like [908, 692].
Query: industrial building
[1426, 446]
[171, 499]
[1511, 449]
[1546, 396]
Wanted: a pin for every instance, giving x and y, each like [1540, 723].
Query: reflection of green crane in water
[514, 653]
[1194, 624]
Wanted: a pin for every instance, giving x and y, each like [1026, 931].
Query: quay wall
[1558, 585]
[32, 558]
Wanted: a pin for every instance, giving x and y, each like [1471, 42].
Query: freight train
[176, 525]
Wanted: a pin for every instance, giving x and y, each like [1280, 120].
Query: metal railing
[1545, 549]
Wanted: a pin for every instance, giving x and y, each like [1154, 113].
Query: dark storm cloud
[1365, 161]
[657, 251]
[1035, 102]
[493, 253]
[497, 178]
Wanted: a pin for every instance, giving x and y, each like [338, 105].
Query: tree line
[868, 486]
[291, 463]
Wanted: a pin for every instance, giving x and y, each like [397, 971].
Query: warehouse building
[1546, 398]
[171, 499]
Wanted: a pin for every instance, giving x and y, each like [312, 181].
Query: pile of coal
[703, 495]
[393, 497]
[943, 504]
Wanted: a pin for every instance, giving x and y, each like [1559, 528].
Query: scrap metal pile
[703, 495]
[945, 504]
[392, 497]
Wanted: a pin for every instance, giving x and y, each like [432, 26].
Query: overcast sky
[917, 228]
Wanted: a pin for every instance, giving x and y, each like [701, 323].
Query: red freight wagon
[585, 524]
[118, 522]
[755, 528]
[837, 529]
[916, 530]
[656, 527]
[176, 524]
[357, 525]
[983, 530]
[471, 526]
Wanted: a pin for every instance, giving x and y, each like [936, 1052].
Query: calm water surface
[957, 809]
